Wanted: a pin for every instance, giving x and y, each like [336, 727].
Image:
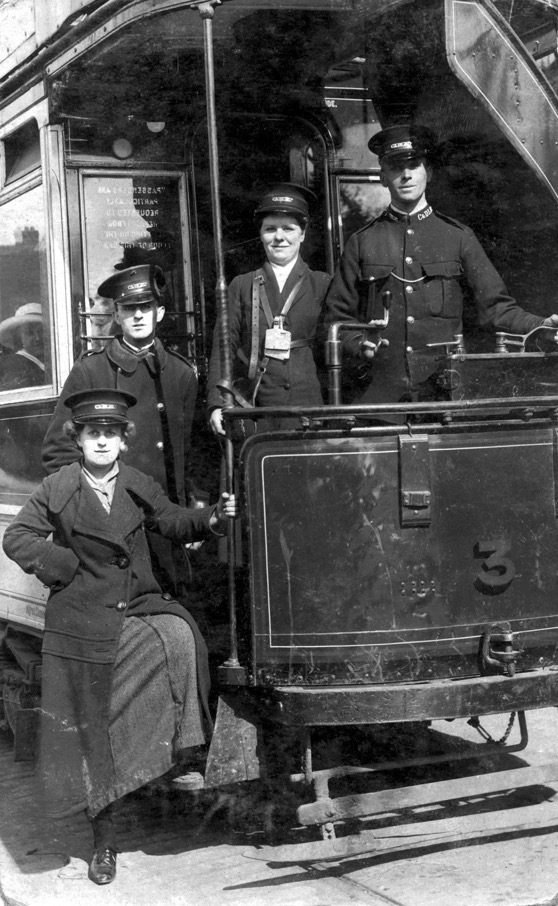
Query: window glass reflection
[24, 341]
[361, 199]
[132, 220]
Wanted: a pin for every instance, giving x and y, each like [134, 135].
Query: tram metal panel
[358, 577]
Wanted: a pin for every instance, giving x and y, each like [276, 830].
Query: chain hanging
[476, 724]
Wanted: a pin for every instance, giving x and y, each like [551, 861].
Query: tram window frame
[84, 289]
[21, 152]
[25, 411]
[12, 187]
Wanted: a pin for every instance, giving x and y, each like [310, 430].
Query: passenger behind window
[23, 333]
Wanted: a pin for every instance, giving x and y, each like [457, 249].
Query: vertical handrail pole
[231, 668]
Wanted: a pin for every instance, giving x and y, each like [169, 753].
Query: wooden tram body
[401, 558]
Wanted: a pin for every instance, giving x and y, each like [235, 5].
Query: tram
[400, 558]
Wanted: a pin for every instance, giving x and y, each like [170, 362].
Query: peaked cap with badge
[138, 283]
[104, 406]
[285, 198]
[403, 142]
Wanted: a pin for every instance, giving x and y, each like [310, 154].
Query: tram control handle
[517, 341]
[504, 341]
[334, 349]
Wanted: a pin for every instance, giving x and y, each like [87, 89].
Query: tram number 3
[496, 571]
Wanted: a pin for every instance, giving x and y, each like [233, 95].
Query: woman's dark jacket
[292, 382]
[98, 568]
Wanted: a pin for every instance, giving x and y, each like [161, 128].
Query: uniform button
[410, 320]
[410, 232]
[123, 562]
[408, 260]
[160, 407]
[409, 349]
[408, 289]
[121, 605]
[159, 445]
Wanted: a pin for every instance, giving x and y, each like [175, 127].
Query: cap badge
[282, 198]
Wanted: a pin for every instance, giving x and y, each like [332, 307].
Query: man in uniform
[418, 255]
[163, 382]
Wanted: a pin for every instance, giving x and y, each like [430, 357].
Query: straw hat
[32, 313]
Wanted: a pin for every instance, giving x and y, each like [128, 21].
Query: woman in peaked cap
[273, 347]
[124, 665]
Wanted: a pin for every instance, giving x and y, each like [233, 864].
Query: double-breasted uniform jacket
[420, 259]
[98, 568]
[285, 382]
[165, 386]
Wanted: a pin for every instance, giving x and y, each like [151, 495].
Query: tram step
[329, 810]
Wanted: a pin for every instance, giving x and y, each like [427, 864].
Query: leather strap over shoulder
[238, 397]
[286, 307]
[255, 325]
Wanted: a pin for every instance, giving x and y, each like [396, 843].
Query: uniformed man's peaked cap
[143, 280]
[103, 406]
[403, 142]
[285, 198]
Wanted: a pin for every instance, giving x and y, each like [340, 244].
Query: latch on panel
[414, 480]
[416, 498]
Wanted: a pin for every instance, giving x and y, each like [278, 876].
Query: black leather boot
[102, 868]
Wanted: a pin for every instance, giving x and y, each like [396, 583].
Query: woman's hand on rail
[226, 508]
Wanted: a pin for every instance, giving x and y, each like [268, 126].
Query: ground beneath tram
[241, 848]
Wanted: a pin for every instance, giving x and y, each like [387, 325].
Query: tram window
[130, 219]
[353, 116]
[22, 152]
[24, 335]
[361, 199]
[25, 344]
[535, 24]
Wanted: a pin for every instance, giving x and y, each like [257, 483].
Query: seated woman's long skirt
[153, 714]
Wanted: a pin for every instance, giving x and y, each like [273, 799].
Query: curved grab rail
[518, 340]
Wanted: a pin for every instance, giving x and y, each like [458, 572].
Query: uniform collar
[299, 270]
[125, 359]
[394, 215]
